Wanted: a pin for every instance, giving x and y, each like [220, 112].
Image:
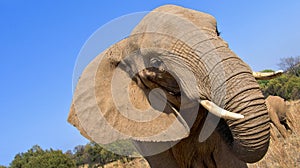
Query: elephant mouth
[151, 78]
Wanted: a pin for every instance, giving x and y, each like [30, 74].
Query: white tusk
[218, 111]
[267, 75]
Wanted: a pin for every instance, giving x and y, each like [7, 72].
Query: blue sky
[40, 41]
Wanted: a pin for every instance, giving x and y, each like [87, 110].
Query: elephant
[176, 90]
[278, 108]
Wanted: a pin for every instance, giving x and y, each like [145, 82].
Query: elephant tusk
[220, 112]
[267, 75]
[279, 72]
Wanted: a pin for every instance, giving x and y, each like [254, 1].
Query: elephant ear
[108, 105]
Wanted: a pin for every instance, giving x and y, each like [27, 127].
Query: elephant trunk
[241, 94]
[251, 134]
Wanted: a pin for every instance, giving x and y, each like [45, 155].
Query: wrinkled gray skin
[176, 45]
[278, 108]
[233, 143]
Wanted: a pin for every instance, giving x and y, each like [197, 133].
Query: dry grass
[284, 152]
[136, 163]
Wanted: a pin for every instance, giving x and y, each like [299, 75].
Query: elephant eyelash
[217, 31]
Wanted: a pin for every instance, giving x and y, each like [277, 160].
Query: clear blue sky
[40, 41]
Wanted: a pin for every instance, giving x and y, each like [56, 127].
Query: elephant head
[160, 83]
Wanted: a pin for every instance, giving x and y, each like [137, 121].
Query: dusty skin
[179, 51]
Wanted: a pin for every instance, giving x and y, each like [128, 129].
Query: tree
[51, 159]
[290, 65]
[22, 159]
[286, 86]
[95, 155]
[37, 157]
[79, 155]
[92, 154]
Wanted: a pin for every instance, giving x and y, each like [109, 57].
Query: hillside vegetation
[287, 85]
[90, 154]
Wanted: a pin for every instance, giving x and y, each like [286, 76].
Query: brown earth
[136, 163]
[283, 152]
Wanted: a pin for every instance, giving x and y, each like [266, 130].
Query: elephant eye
[156, 63]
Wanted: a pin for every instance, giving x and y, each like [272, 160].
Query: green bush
[94, 154]
[286, 86]
[91, 154]
[36, 157]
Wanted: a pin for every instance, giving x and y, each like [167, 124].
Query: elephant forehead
[175, 21]
[199, 19]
